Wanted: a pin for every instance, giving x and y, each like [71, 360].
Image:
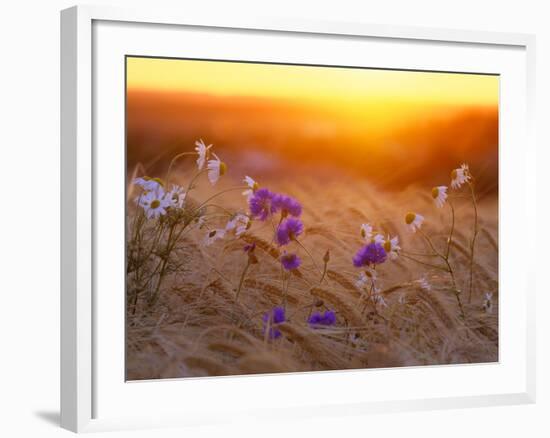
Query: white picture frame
[84, 384]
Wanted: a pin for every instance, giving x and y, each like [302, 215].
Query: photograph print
[285, 218]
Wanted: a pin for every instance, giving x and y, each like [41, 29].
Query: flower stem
[309, 254]
[473, 242]
[173, 162]
[241, 281]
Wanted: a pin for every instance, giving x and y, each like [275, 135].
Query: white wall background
[29, 216]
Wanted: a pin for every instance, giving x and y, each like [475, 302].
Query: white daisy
[488, 304]
[460, 176]
[176, 196]
[366, 231]
[240, 223]
[414, 221]
[366, 277]
[423, 283]
[155, 203]
[391, 246]
[149, 184]
[439, 194]
[216, 168]
[377, 298]
[202, 151]
[378, 238]
[214, 235]
[252, 184]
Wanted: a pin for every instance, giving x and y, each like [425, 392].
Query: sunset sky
[310, 83]
[356, 119]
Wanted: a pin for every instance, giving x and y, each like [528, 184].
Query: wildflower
[439, 194]
[240, 223]
[260, 204]
[201, 221]
[287, 205]
[318, 319]
[371, 254]
[270, 319]
[488, 303]
[214, 235]
[366, 231]
[391, 246]
[253, 187]
[149, 184]
[176, 196]
[414, 221]
[460, 176]
[365, 277]
[377, 298]
[154, 203]
[378, 238]
[290, 261]
[288, 230]
[202, 151]
[216, 168]
[424, 284]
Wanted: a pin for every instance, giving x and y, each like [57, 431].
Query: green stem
[241, 281]
[174, 160]
[472, 244]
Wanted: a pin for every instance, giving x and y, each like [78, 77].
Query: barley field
[196, 326]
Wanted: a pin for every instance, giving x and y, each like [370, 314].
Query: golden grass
[196, 327]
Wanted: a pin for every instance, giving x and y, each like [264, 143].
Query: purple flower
[288, 230]
[260, 204]
[287, 205]
[290, 261]
[371, 254]
[275, 316]
[328, 318]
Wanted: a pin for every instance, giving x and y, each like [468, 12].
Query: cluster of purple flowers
[277, 316]
[288, 230]
[370, 255]
[290, 261]
[318, 319]
[264, 203]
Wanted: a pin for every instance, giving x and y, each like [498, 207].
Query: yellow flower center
[409, 218]
[248, 225]
[363, 233]
[454, 174]
[255, 186]
[223, 168]
[387, 245]
[435, 192]
[368, 274]
[212, 233]
[155, 204]
[158, 180]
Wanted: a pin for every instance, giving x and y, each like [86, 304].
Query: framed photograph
[324, 217]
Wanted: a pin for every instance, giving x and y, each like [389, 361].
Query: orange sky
[312, 83]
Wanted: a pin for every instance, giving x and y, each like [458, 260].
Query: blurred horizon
[392, 128]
